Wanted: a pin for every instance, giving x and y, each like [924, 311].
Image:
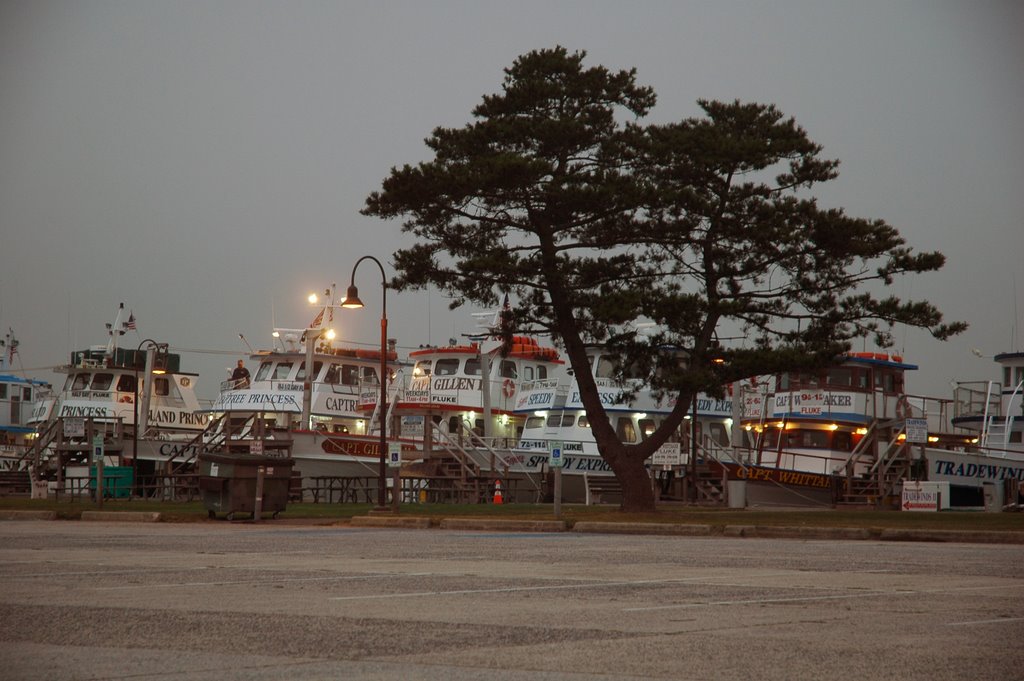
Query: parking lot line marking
[261, 580]
[545, 587]
[832, 597]
[999, 620]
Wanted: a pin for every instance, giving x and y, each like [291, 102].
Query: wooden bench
[597, 487]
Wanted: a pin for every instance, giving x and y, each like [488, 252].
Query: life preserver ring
[903, 407]
[508, 388]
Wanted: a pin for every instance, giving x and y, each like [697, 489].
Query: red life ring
[508, 388]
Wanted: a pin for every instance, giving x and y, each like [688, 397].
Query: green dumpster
[117, 481]
[227, 482]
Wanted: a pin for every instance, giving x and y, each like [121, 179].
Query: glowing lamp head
[312, 298]
[352, 298]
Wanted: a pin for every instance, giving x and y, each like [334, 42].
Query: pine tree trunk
[637, 493]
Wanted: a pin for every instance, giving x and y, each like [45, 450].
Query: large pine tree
[557, 194]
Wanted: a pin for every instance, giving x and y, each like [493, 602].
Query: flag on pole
[131, 322]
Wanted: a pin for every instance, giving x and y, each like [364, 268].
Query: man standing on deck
[240, 375]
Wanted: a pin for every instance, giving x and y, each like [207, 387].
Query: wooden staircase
[879, 486]
[456, 471]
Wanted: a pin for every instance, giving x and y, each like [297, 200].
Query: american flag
[130, 325]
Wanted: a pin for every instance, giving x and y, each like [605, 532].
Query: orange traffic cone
[497, 493]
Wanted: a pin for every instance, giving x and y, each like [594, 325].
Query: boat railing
[977, 398]
[939, 412]
[234, 384]
[479, 452]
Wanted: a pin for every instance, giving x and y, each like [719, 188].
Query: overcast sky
[205, 162]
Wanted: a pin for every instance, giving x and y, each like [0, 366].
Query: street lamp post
[150, 353]
[352, 301]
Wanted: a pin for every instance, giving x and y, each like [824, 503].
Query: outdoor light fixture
[352, 302]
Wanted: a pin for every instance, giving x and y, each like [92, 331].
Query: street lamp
[153, 346]
[352, 301]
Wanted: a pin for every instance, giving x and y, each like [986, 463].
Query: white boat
[552, 412]
[989, 418]
[458, 405]
[851, 433]
[138, 399]
[17, 399]
[328, 412]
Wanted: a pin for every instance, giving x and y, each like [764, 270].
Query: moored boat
[852, 434]
[18, 394]
[139, 401]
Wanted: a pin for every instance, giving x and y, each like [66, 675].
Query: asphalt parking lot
[270, 601]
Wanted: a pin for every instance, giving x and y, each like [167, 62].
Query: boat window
[542, 373]
[625, 430]
[554, 420]
[862, 378]
[534, 422]
[647, 427]
[3, 391]
[301, 374]
[349, 374]
[508, 369]
[126, 383]
[1020, 377]
[1006, 376]
[422, 367]
[102, 381]
[840, 376]
[784, 382]
[842, 440]
[81, 381]
[814, 439]
[886, 380]
[473, 367]
[369, 375]
[528, 373]
[263, 372]
[1015, 436]
[167, 388]
[446, 367]
[605, 367]
[719, 434]
[331, 377]
[584, 422]
[282, 370]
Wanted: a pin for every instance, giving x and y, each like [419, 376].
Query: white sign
[394, 454]
[920, 497]
[917, 431]
[555, 458]
[74, 427]
[256, 447]
[669, 454]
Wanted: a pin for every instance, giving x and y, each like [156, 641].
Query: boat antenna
[246, 343]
